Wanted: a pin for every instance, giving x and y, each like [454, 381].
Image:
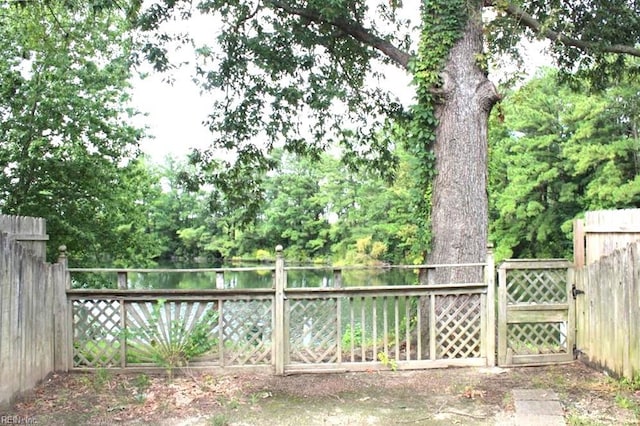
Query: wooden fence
[287, 330]
[536, 312]
[31, 232]
[602, 232]
[30, 303]
[608, 313]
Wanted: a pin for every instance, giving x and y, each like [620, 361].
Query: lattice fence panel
[537, 286]
[313, 331]
[537, 338]
[247, 331]
[458, 326]
[171, 334]
[96, 333]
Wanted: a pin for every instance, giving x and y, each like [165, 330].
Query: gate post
[63, 320]
[279, 313]
[490, 280]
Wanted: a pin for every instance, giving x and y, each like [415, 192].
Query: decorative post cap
[62, 250]
[279, 248]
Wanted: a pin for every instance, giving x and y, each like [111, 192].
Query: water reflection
[296, 278]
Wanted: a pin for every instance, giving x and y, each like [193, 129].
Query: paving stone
[536, 407]
[535, 395]
[553, 408]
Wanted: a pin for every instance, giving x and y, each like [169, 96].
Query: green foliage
[98, 351]
[352, 336]
[173, 344]
[293, 76]
[442, 25]
[387, 361]
[557, 154]
[632, 384]
[315, 208]
[67, 152]
[598, 27]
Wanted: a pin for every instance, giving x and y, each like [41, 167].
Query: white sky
[174, 115]
[175, 112]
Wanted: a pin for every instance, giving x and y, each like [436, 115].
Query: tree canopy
[558, 153]
[67, 152]
[302, 74]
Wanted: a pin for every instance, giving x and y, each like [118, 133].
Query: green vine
[443, 23]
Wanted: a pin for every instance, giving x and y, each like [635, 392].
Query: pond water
[296, 278]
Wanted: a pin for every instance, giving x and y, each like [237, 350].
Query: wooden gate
[536, 312]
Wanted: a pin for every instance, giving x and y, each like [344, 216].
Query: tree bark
[459, 198]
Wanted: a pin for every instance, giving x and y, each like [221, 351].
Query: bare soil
[427, 397]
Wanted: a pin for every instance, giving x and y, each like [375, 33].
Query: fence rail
[286, 329]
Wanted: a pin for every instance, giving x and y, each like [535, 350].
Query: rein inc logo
[17, 420]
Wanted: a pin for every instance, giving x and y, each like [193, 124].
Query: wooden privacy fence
[31, 232]
[31, 297]
[602, 232]
[608, 311]
[287, 330]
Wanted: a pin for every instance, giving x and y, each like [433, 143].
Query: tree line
[563, 143]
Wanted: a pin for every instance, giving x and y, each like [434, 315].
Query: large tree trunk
[459, 199]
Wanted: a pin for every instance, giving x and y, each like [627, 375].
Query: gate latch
[575, 291]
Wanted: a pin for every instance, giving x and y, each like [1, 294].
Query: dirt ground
[428, 397]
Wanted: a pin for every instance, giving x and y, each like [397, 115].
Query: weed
[256, 396]
[625, 402]
[388, 362]
[101, 378]
[507, 399]
[576, 420]
[352, 336]
[218, 420]
[631, 384]
[141, 382]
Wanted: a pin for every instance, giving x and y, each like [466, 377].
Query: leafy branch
[537, 27]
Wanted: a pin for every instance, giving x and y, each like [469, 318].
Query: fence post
[337, 278]
[578, 243]
[220, 280]
[279, 334]
[123, 280]
[490, 279]
[62, 314]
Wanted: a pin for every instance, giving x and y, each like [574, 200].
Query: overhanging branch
[350, 27]
[532, 23]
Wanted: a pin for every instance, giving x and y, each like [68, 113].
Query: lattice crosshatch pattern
[247, 331]
[96, 333]
[313, 331]
[171, 333]
[458, 326]
[537, 338]
[537, 312]
[285, 330]
[537, 286]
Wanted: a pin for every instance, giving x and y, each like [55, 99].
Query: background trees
[303, 79]
[67, 153]
[276, 62]
[557, 154]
